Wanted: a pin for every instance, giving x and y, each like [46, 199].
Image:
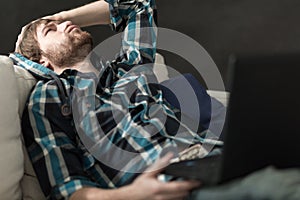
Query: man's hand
[94, 13]
[20, 37]
[147, 186]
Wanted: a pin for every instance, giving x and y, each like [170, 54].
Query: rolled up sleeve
[137, 19]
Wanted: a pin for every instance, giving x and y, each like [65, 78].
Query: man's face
[63, 43]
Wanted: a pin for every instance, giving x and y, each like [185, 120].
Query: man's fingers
[21, 35]
[52, 17]
[159, 165]
[177, 189]
[24, 28]
[173, 186]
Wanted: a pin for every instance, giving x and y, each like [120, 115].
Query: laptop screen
[263, 116]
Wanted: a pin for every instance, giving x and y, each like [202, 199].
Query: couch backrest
[11, 156]
[30, 187]
[18, 180]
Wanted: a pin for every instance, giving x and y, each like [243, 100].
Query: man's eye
[47, 31]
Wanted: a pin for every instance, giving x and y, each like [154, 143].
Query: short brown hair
[28, 45]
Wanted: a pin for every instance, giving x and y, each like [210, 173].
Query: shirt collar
[36, 69]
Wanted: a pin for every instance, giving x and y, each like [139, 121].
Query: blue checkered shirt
[114, 115]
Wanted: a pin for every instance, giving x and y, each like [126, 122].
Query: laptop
[262, 125]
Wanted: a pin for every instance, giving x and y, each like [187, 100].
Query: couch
[18, 180]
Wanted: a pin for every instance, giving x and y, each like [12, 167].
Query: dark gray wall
[222, 27]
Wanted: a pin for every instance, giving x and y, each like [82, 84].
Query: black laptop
[262, 125]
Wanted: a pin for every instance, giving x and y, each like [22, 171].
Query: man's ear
[45, 62]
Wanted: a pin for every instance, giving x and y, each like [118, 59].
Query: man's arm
[145, 187]
[137, 17]
[95, 13]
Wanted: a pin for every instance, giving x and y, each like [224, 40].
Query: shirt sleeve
[137, 19]
[52, 144]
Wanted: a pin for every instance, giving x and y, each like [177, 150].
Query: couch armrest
[11, 155]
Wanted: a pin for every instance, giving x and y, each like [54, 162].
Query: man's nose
[62, 26]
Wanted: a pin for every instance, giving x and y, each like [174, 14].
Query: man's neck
[84, 66]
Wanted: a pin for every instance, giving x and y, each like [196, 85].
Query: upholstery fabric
[29, 184]
[18, 180]
[11, 156]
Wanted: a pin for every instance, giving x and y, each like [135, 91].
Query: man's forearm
[145, 187]
[123, 193]
[94, 13]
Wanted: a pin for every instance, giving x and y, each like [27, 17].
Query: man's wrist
[130, 192]
[63, 15]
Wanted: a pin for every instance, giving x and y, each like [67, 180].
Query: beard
[74, 50]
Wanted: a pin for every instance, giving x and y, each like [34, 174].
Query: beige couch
[17, 177]
[18, 180]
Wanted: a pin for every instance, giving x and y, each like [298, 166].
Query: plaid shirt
[118, 108]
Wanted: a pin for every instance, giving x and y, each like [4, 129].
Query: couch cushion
[11, 155]
[30, 187]
[25, 82]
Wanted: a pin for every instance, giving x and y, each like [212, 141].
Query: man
[55, 52]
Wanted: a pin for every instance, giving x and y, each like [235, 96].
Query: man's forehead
[45, 22]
